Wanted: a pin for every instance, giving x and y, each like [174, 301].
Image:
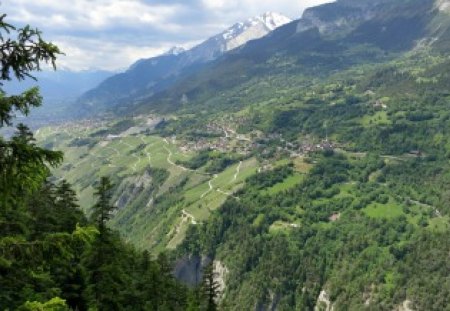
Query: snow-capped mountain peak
[236, 36]
[269, 20]
[176, 50]
[274, 20]
[154, 74]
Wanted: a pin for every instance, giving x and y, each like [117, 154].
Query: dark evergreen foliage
[51, 257]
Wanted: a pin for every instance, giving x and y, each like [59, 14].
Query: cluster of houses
[306, 148]
[230, 141]
[221, 144]
[295, 150]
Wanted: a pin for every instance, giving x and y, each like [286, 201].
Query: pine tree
[24, 167]
[107, 277]
[66, 196]
[67, 207]
[210, 288]
[103, 209]
[22, 163]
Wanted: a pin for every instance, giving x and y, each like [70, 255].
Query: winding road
[169, 160]
[210, 186]
[187, 215]
[238, 169]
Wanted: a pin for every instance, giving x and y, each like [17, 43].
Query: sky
[112, 34]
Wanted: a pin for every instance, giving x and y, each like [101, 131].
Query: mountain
[309, 167]
[236, 36]
[59, 90]
[327, 38]
[61, 84]
[149, 76]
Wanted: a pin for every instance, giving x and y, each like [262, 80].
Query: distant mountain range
[328, 38]
[59, 90]
[60, 85]
[150, 76]
[309, 165]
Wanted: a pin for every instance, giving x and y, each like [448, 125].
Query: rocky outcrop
[189, 270]
[132, 187]
[344, 16]
[331, 18]
[323, 302]
[406, 306]
[220, 274]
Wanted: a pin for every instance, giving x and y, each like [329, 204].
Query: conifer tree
[107, 277]
[47, 260]
[22, 163]
[103, 209]
[210, 288]
[67, 207]
[66, 196]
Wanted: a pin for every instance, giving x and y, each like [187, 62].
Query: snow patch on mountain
[252, 29]
[236, 36]
[147, 76]
[176, 50]
[269, 20]
[443, 5]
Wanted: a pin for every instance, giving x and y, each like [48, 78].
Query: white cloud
[85, 54]
[217, 4]
[112, 34]
[90, 14]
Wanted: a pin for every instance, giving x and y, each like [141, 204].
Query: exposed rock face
[406, 306]
[343, 16]
[189, 270]
[220, 274]
[324, 302]
[334, 17]
[132, 187]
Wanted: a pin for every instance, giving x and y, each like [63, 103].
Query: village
[225, 139]
[218, 135]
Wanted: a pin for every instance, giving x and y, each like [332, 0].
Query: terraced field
[151, 215]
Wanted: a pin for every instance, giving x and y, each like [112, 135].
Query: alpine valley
[304, 165]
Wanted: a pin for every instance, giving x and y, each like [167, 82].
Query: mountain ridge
[148, 76]
[311, 167]
[372, 32]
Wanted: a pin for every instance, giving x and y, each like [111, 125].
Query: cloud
[112, 34]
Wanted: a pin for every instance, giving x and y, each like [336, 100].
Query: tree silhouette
[210, 288]
[103, 209]
[23, 165]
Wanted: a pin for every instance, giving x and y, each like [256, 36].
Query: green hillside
[307, 170]
[329, 38]
[343, 180]
[157, 197]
